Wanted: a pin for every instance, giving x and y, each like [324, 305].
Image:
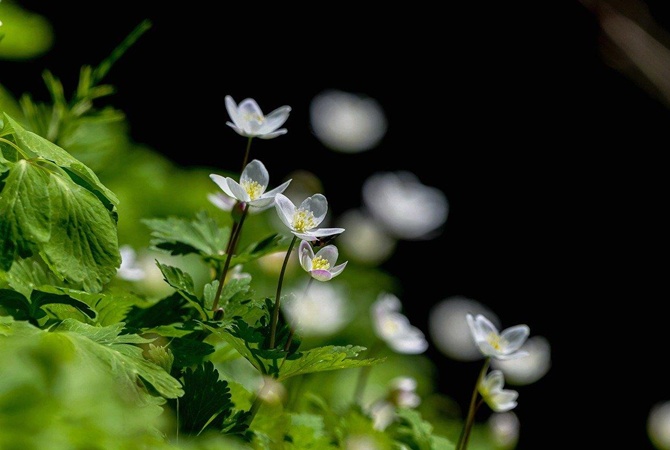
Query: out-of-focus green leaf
[8, 103]
[189, 352]
[330, 357]
[26, 35]
[115, 352]
[180, 236]
[411, 430]
[167, 311]
[307, 432]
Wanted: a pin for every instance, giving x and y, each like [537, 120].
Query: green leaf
[38, 299]
[16, 304]
[183, 283]
[411, 430]
[307, 432]
[179, 236]
[37, 146]
[167, 311]
[27, 274]
[205, 399]
[189, 352]
[24, 211]
[255, 250]
[114, 352]
[326, 358]
[83, 247]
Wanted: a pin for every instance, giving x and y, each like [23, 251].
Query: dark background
[553, 162]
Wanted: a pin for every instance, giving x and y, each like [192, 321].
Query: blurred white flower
[320, 266]
[405, 207]
[401, 394]
[532, 367]
[658, 425]
[248, 119]
[251, 188]
[491, 390]
[347, 122]
[130, 269]
[394, 328]
[504, 429]
[304, 220]
[272, 391]
[494, 344]
[449, 329]
[322, 311]
[365, 240]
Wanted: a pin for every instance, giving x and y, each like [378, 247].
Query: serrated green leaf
[167, 311]
[258, 249]
[178, 279]
[83, 247]
[37, 146]
[116, 353]
[411, 430]
[307, 431]
[38, 299]
[24, 211]
[180, 236]
[326, 358]
[205, 399]
[27, 274]
[189, 352]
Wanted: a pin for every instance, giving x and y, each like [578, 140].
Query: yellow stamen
[255, 117]
[303, 220]
[253, 188]
[495, 341]
[320, 263]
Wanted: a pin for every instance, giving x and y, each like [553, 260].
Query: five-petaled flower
[492, 344]
[304, 220]
[251, 188]
[491, 390]
[248, 119]
[394, 328]
[321, 266]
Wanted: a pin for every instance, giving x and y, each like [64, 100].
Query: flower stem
[470, 420]
[275, 312]
[232, 243]
[246, 154]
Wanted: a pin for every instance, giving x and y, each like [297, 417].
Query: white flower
[497, 345]
[405, 207]
[130, 268]
[251, 188]
[491, 390]
[321, 266]
[521, 371]
[248, 119]
[347, 122]
[227, 203]
[322, 311]
[304, 220]
[394, 328]
[402, 394]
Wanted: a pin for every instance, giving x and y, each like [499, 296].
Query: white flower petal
[329, 253]
[285, 210]
[274, 134]
[335, 271]
[231, 107]
[238, 191]
[276, 119]
[321, 274]
[222, 182]
[318, 204]
[305, 255]
[248, 106]
[278, 190]
[324, 232]
[515, 337]
[256, 171]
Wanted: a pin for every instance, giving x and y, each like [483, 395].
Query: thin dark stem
[275, 312]
[246, 154]
[232, 243]
[470, 419]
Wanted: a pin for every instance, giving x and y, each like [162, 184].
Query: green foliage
[415, 433]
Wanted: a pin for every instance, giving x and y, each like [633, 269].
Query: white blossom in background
[401, 394]
[404, 206]
[248, 119]
[366, 241]
[393, 327]
[658, 425]
[347, 122]
[492, 392]
[505, 344]
[449, 329]
[504, 429]
[532, 367]
[322, 311]
[130, 269]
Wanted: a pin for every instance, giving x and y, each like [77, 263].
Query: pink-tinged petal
[335, 271]
[285, 210]
[329, 253]
[305, 255]
[238, 191]
[256, 171]
[321, 275]
[515, 336]
[231, 107]
[222, 182]
[276, 119]
[318, 204]
[249, 106]
[274, 134]
[222, 201]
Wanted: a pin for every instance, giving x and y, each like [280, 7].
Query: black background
[553, 163]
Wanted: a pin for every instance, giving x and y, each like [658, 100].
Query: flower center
[253, 188]
[320, 263]
[495, 341]
[303, 220]
[255, 117]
